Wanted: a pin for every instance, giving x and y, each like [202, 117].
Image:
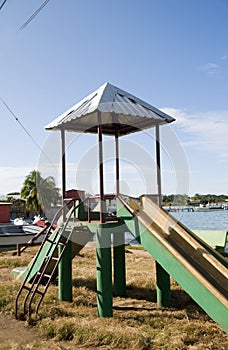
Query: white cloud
[204, 132]
[210, 68]
[207, 131]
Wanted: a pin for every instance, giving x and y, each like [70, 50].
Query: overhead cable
[21, 125]
[1, 6]
[33, 15]
[25, 130]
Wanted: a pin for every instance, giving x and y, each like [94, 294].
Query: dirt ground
[15, 332]
[183, 327]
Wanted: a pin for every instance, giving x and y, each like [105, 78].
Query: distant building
[75, 194]
[4, 212]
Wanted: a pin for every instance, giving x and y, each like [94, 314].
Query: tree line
[38, 194]
[184, 199]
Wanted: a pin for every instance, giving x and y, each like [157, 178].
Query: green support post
[119, 264]
[104, 272]
[163, 286]
[65, 274]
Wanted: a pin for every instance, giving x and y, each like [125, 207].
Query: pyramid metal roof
[116, 109]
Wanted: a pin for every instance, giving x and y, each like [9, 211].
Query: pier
[178, 209]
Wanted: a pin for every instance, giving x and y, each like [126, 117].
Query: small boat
[209, 207]
[12, 235]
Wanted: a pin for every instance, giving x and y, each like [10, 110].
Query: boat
[12, 235]
[209, 207]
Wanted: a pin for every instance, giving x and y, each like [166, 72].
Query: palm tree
[40, 193]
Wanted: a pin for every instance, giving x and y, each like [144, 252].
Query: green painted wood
[104, 272]
[162, 286]
[65, 272]
[40, 259]
[198, 290]
[213, 238]
[205, 245]
[119, 264]
[80, 236]
[111, 227]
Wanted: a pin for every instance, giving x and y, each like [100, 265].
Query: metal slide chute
[199, 269]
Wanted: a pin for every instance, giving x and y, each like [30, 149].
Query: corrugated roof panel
[118, 110]
[134, 108]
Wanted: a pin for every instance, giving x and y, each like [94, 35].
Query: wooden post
[163, 286]
[101, 170]
[65, 273]
[158, 161]
[104, 272]
[119, 263]
[89, 210]
[117, 164]
[163, 278]
[63, 171]
[65, 265]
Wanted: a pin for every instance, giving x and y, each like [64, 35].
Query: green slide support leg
[65, 274]
[104, 272]
[119, 264]
[163, 286]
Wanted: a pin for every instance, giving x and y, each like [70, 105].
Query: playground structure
[199, 269]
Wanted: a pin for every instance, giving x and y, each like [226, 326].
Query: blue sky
[170, 53]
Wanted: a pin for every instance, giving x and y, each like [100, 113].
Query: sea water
[216, 220]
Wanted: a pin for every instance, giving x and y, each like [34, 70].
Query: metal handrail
[42, 245]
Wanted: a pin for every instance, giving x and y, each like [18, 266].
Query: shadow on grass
[179, 299]
[89, 283]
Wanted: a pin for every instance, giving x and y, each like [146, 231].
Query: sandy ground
[17, 335]
[15, 332]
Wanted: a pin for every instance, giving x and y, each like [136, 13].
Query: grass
[137, 322]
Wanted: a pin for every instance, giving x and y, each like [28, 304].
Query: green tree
[40, 193]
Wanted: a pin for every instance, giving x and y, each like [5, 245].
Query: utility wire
[1, 6]
[22, 126]
[33, 15]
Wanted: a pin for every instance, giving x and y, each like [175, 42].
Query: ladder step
[56, 243]
[39, 292]
[61, 243]
[44, 275]
[50, 241]
[51, 257]
[33, 290]
[27, 288]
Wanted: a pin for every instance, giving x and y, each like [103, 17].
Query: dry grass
[137, 323]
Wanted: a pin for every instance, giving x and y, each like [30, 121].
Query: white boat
[12, 235]
[209, 207]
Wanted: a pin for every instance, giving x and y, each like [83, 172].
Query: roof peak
[120, 112]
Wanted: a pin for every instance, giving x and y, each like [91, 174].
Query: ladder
[42, 278]
[35, 291]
